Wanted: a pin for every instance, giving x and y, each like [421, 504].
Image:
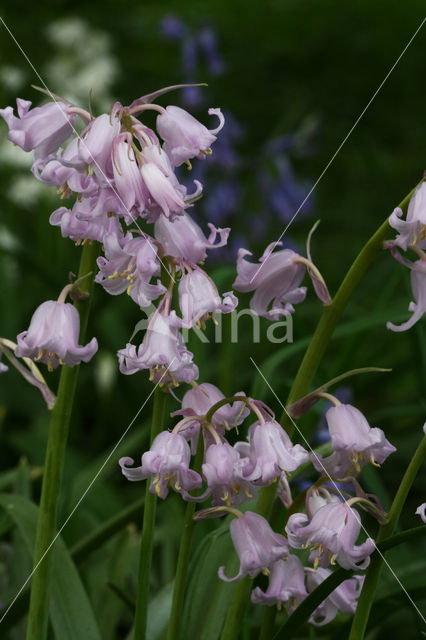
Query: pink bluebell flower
[199, 297]
[418, 286]
[286, 585]
[421, 511]
[275, 281]
[256, 544]
[412, 230]
[271, 452]
[162, 351]
[182, 238]
[42, 129]
[355, 442]
[184, 136]
[203, 396]
[343, 598]
[129, 264]
[167, 462]
[223, 470]
[52, 336]
[331, 534]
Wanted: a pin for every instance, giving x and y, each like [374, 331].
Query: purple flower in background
[332, 532]
[285, 193]
[222, 201]
[286, 585]
[42, 129]
[172, 27]
[52, 337]
[167, 462]
[208, 42]
[343, 598]
[256, 544]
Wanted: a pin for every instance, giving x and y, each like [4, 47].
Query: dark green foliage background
[286, 61]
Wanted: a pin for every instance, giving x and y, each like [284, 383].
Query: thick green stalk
[184, 557]
[309, 365]
[366, 598]
[148, 524]
[52, 475]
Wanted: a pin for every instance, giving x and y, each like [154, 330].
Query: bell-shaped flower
[343, 598]
[286, 585]
[272, 452]
[223, 469]
[354, 440]
[418, 286]
[51, 171]
[412, 230]
[182, 238]
[52, 336]
[127, 175]
[90, 218]
[421, 511]
[184, 136]
[129, 264]
[275, 281]
[167, 462]
[202, 397]
[162, 351]
[256, 544]
[199, 297]
[331, 534]
[162, 192]
[95, 144]
[42, 129]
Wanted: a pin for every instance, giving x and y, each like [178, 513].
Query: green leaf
[70, 610]
[207, 596]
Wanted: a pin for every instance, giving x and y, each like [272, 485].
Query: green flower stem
[184, 557]
[308, 368]
[366, 598]
[52, 475]
[148, 524]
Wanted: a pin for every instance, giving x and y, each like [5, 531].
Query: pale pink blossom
[182, 238]
[256, 544]
[184, 136]
[52, 336]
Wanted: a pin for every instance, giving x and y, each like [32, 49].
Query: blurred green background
[297, 72]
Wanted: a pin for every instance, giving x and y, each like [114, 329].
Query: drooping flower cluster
[412, 235]
[122, 174]
[230, 474]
